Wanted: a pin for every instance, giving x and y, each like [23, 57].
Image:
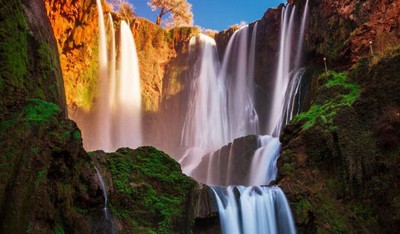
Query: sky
[216, 14]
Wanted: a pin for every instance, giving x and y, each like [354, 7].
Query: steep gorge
[339, 161]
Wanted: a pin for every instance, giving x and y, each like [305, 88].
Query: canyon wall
[339, 157]
[30, 66]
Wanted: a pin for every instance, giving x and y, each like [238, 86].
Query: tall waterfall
[289, 74]
[127, 131]
[100, 137]
[258, 209]
[115, 118]
[221, 105]
[237, 71]
[206, 119]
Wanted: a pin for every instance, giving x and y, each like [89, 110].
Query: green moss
[40, 177]
[302, 206]
[13, 43]
[151, 190]
[58, 229]
[121, 170]
[326, 110]
[80, 210]
[76, 135]
[39, 111]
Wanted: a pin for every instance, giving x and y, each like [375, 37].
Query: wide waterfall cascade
[114, 121]
[250, 210]
[221, 105]
[265, 209]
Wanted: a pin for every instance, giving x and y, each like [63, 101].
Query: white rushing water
[115, 118]
[237, 72]
[289, 75]
[263, 168]
[103, 188]
[221, 105]
[128, 130]
[256, 209]
[205, 126]
[99, 128]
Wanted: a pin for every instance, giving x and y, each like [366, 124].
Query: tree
[180, 11]
[125, 9]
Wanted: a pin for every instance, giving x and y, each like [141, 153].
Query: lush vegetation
[151, 191]
[39, 111]
[342, 93]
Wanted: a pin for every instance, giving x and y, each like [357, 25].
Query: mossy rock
[29, 64]
[46, 176]
[149, 193]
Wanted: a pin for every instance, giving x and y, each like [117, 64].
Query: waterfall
[289, 75]
[292, 104]
[237, 73]
[258, 209]
[282, 78]
[107, 224]
[300, 42]
[255, 209]
[112, 66]
[98, 129]
[205, 124]
[221, 102]
[127, 131]
[263, 166]
[115, 118]
[103, 188]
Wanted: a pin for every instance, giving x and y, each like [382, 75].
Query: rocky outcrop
[76, 30]
[232, 162]
[342, 30]
[29, 66]
[49, 183]
[147, 191]
[339, 159]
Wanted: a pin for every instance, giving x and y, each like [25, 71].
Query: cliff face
[76, 30]
[339, 157]
[29, 66]
[49, 183]
[342, 30]
[163, 62]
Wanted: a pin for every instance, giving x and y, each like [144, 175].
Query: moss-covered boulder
[48, 183]
[147, 191]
